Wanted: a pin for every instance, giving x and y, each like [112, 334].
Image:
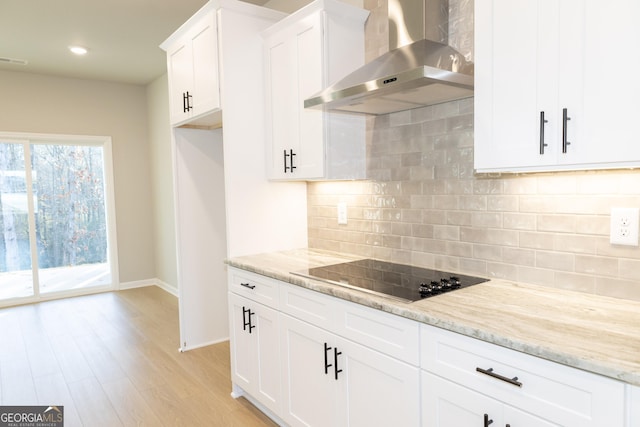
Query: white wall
[162, 182]
[43, 104]
[262, 216]
[201, 236]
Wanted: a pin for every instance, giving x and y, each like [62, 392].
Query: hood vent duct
[420, 70]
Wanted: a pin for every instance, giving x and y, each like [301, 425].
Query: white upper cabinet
[555, 85]
[304, 53]
[192, 66]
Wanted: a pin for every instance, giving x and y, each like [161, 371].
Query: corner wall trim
[149, 282]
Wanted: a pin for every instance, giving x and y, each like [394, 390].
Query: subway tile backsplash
[423, 204]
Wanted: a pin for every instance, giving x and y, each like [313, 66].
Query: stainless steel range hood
[417, 74]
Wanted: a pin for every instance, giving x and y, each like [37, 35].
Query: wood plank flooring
[112, 360]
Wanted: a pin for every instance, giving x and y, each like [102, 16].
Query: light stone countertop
[594, 333]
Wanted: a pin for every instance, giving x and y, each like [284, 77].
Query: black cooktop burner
[400, 281]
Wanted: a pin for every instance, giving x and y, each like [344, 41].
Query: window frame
[27, 139]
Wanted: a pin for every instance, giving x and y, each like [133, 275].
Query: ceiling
[122, 36]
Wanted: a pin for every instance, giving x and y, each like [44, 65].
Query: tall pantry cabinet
[223, 204]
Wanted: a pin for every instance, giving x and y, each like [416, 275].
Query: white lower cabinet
[633, 417]
[516, 418]
[447, 404]
[254, 335]
[316, 360]
[332, 381]
[255, 354]
[310, 389]
[466, 377]
[377, 390]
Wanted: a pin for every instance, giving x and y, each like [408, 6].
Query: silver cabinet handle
[542, 122]
[565, 119]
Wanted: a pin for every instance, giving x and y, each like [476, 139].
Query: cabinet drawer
[310, 306]
[393, 335]
[561, 394]
[254, 286]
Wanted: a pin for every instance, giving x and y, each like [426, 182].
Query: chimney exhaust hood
[420, 73]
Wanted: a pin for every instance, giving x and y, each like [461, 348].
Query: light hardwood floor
[112, 359]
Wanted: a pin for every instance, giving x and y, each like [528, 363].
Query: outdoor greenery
[69, 206]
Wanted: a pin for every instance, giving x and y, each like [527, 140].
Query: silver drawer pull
[247, 285]
[490, 372]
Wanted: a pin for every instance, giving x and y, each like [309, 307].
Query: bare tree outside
[70, 216]
[69, 211]
[14, 223]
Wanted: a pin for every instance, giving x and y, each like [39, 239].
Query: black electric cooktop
[399, 281]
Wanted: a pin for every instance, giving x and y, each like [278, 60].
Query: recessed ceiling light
[78, 50]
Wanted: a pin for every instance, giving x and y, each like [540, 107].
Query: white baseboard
[136, 284]
[237, 391]
[149, 282]
[204, 344]
[167, 287]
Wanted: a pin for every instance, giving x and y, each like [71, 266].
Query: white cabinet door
[180, 80]
[611, 85]
[243, 356]
[550, 94]
[446, 404]
[516, 418]
[206, 84]
[192, 65]
[506, 89]
[309, 384]
[331, 381]
[294, 72]
[375, 389]
[282, 101]
[633, 401]
[255, 350]
[528, 70]
[304, 53]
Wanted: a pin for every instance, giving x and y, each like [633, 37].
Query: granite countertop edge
[434, 311]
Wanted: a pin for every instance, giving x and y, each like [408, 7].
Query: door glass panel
[70, 216]
[15, 254]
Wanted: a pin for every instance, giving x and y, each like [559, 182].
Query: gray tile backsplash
[424, 205]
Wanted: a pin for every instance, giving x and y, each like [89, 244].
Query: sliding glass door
[16, 276]
[55, 232]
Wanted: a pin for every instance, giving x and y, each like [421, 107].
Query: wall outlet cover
[624, 226]
[342, 213]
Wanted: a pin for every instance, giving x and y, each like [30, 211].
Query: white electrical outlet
[342, 213]
[624, 226]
